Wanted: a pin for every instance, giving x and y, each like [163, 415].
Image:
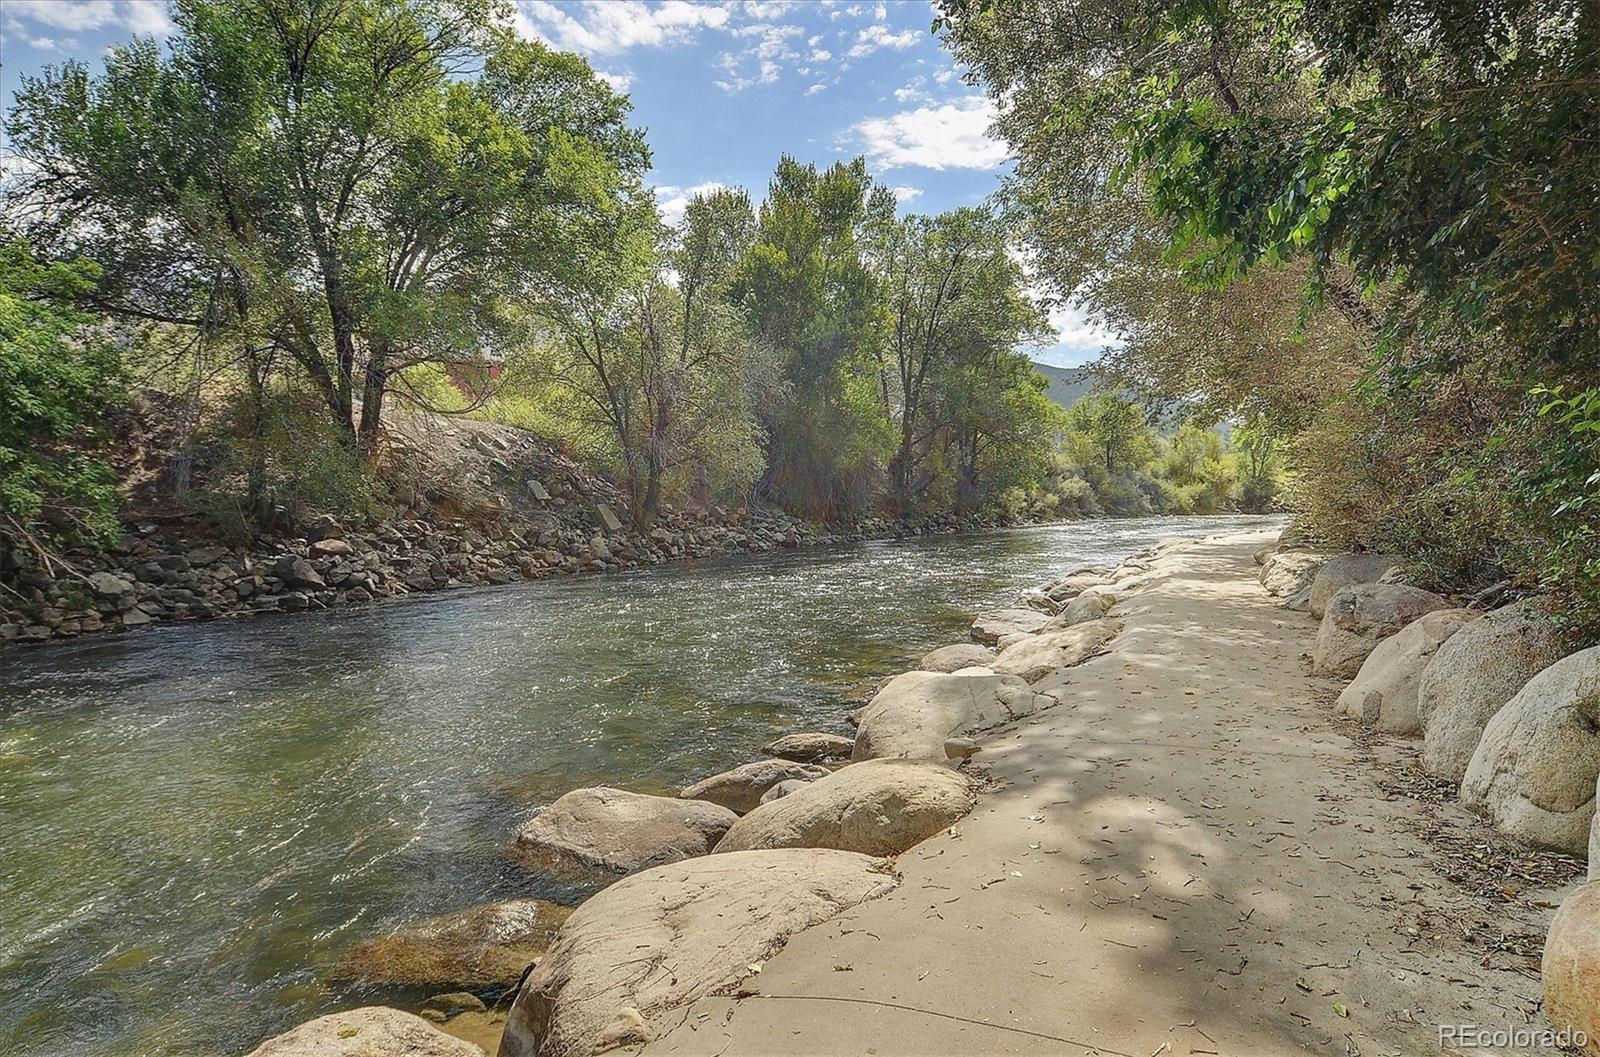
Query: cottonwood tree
[807, 292]
[372, 179]
[658, 362]
[951, 290]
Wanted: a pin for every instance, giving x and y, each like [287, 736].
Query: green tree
[809, 295]
[951, 291]
[665, 374]
[58, 379]
[1115, 429]
[374, 180]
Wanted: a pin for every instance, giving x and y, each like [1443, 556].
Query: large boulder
[1039, 655]
[916, 712]
[991, 626]
[741, 789]
[479, 949]
[1092, 604]
[1471, 676]
[1345, 570]
[809, 747]
[1535, 770]
[879, 807]
[1384, 693]
[954, 658]
[370, 1031]
[655, 942]
[1359, 617]
[1071, 586]
[1289, 573]
[600, 831]
[1571, 967]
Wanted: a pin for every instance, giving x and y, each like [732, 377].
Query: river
[196, 820]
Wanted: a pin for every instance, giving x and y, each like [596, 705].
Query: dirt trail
[1188, 857]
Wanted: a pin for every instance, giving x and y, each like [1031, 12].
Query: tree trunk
[375, 384]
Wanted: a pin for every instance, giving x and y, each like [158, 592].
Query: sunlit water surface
[195, 821]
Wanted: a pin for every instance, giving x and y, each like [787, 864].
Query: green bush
[58, 381]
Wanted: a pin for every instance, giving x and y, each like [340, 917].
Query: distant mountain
[1067, 385]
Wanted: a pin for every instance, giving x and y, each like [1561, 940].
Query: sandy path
[1186, 858]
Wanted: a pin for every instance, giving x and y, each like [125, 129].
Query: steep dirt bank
[1189, 855]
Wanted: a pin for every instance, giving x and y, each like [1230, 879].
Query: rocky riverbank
[156, 574]
[1129, 788]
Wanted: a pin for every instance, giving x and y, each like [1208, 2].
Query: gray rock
[1535, 770]
[1092, 604]
[482, 948]
[916, 712]
[1570, 971]
[782, 789]
[109, 586]
[370, 1031]
[602, 831]
[1473, 675]
[1037, 656]
[990, 626]
[1345, 570]
[651, 944]
[956, 657]
[1384, 693]
[1359, 617]
[809, 747]
[1289, 573]
[880, 807]
[741, 789]
[295, 571]
[607, 517]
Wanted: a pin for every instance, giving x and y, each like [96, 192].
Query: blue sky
[723, 87]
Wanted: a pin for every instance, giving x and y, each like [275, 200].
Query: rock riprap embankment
[651, 943]
[601, 833]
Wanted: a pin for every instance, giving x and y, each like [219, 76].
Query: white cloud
[818, 87]
[877, 36]
[821, 55]
[945, 76]
[133, 16]
[904, 194]
[771, 50]
[619, 82]
[880, 12]
[913, 92]
[604, 27]
[769, 8]
[951, 136]
[672, 201]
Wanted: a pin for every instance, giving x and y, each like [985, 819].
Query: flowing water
[195, 821]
